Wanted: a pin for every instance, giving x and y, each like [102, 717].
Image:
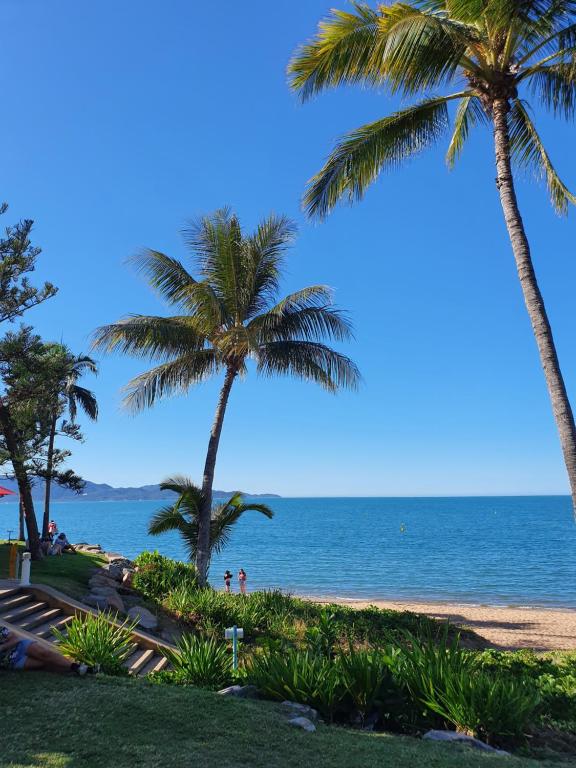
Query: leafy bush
[368, 679]
[93, 640]
[203, 663]
[322, 637]
[486, 706]
[451, 683]
[158, 576]
[304, 677]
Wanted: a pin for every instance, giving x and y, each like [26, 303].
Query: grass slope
[69, 573]
[55, 722]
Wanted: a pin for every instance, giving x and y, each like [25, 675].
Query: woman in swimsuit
[242, 581]
[227, 581]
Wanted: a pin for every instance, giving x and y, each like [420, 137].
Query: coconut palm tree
[228, 315]
[184, 516]
[492, 52]
[66, 395]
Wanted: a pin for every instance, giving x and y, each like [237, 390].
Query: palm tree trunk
[532, 296]
[48, 480]
[203, 551]
[23, 481]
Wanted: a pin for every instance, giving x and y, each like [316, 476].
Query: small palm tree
[184, 516]
[226, 316]
[491, 50]
[65, 395]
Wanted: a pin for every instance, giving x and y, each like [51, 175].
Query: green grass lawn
[57, 722]
[69, 573]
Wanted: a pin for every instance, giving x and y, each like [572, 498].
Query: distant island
[105, 492]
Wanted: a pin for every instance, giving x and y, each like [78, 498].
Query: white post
[25, 571]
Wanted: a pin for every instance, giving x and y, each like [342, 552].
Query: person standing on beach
[227, 581]
[242, 581]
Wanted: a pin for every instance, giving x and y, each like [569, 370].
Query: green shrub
[203, 663]
[93, 640]
[486, 706]
[304, 677]
[368, 679]
[158, 576]
[322, 637]
[451, 684]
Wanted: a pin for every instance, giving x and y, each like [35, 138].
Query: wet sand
[507, 628]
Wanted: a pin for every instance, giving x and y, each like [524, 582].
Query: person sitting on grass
[20, 653]
[61, 544]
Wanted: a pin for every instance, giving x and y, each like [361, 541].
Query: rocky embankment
[110, 590]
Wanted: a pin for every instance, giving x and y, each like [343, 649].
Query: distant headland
[104, 492]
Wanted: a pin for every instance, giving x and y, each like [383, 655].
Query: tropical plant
[485, 705]
[322, 637]
[228, 316]
[305, 678]
[368, 677]
[494, 50]
[65, 395]
[94, 640]
[203, 663]
[184, 516]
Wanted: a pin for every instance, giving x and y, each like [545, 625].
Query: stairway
[34, 610]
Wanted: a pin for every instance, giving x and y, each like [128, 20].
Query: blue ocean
[493, 550]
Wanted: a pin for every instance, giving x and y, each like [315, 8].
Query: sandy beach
[506, 628]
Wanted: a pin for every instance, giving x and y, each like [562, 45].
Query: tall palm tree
[228, 315]
[66, 395]
[491, 51]
[183, 516]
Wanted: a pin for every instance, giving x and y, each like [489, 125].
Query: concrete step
[20, 612]
[39, 618]
[45, 630]
[6, 592]
[14, 600]
[156, 664]
[138, 660]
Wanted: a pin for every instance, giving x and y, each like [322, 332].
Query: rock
[461, 738]
[304, 723]
[94, 548]
[240, 691]
[118, 560]
[100, 579]
[300, 709]
[97, 601]
[114, 571]
[104, 591]
[145, 618]
[116, 602]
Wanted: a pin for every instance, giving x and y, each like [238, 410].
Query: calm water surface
[500, 550]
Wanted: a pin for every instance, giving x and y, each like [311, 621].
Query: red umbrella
[6, 492]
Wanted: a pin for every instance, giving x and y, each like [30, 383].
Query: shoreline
[503, 627]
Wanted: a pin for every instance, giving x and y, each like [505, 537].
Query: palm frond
[309, 361]
[555, 87]
[264, 252]
[528, 152]
[361, 155]
[424, 49]
[80, 396]
[172, 378]
[468, 114]
[347, 49]
[167, 519]
[150, 336]
[307, 314]
[227, 515]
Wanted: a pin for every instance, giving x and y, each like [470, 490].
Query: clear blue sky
[123, 119]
